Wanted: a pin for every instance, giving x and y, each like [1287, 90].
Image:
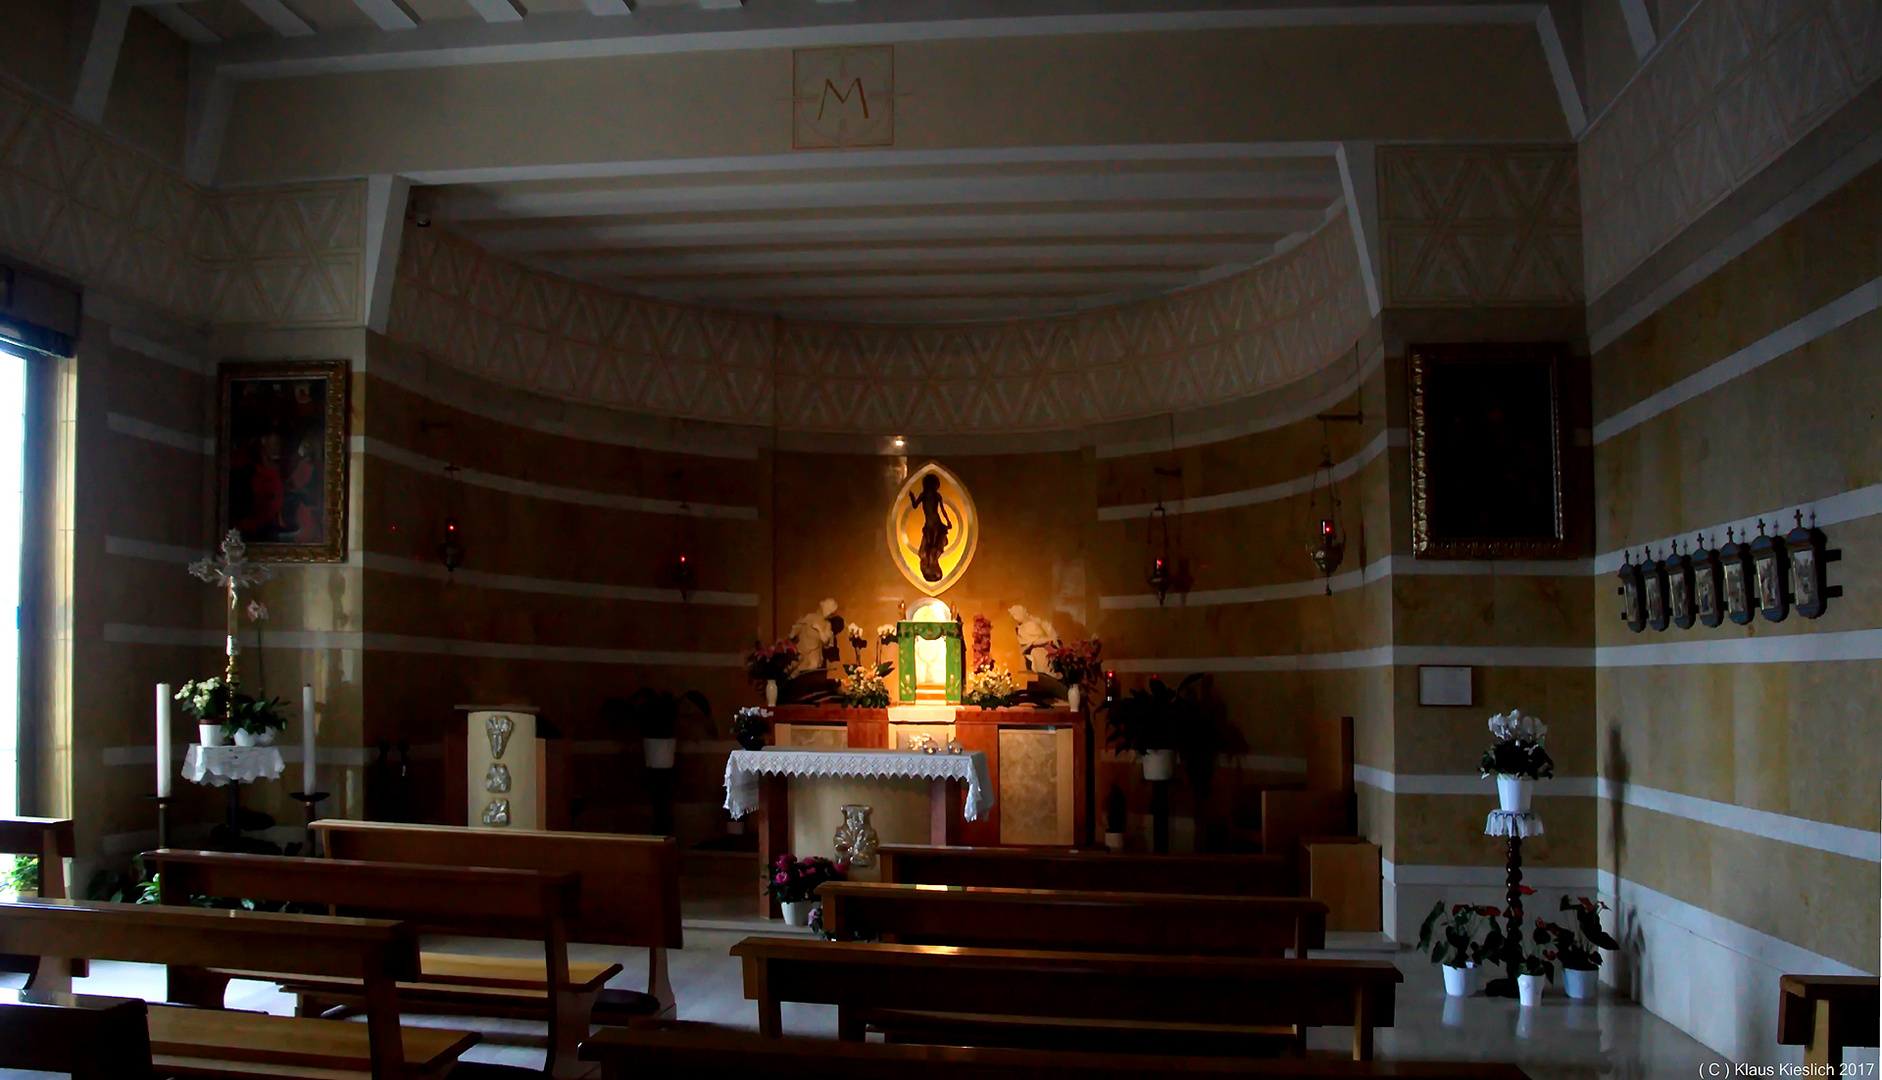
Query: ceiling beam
[707, 262]
[607, 7]
[1639, 27]
[101, 59]
[497, 11]
[387, 14]
[183, 24]
[279, 18]
[1359, 185]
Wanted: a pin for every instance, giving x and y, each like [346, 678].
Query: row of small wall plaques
[1765, 575]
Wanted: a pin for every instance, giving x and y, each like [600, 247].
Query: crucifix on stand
[232, 573]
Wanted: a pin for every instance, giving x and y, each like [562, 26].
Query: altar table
[958, 786]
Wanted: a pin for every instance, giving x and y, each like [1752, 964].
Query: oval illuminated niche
[921, 504]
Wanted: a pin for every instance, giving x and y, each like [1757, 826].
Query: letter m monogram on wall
[843, 97]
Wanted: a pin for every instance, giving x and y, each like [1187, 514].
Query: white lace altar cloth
[1512, 823]
[219, 765]
[744, 767]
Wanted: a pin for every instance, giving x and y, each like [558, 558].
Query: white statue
[812, 634]
[1036, 635]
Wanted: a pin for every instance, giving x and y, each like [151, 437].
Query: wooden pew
[1824, 1013]
[93, 1038]
[375, 953]
[432, 899]
[697, 1054]
[1088, 870]
[50, 841]
[1117, 922]
[630, 894]
[1107, 988]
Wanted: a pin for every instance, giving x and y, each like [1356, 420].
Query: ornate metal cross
[232, 573]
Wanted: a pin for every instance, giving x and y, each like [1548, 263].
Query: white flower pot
[771, 692]
[1159, 764]
[1514, 792]
[1580, 985]
[1459, 981]
[1114, 841]
[1074, 698]
[1529, 989]
[797, 912]
[209, 734]
[660, 752]
[244, 738]
[266, 738]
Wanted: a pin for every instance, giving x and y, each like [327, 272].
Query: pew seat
[698, 1052]
[1825, 1013]
[218, 1043]
[89, 1037]
[1087, 870]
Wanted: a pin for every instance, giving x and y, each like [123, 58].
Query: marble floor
[1560, 1039]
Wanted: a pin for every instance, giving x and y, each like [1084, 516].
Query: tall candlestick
[307, 739]
[163, 740]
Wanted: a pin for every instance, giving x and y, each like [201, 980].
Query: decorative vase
[1529, 989]
[797, 912]
[771, 692]
[752, 741]
[209, 734]
[1114, 841]
[660, 752]
[1459, 981]
[244, 738]
[1074, 698]
[855, 841]
[1514, 793]
[1159, 764]
[1580, 984]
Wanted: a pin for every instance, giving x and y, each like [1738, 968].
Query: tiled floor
[1559, 1039]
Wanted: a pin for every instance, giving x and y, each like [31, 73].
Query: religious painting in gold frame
[1486, 452]
[281, 431]
[933, 529]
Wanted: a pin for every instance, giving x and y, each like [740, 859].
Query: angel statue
[1036, 635]
[814, 634]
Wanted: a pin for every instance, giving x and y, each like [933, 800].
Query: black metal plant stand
[1513, 921]
[310, 801]
[163, 817]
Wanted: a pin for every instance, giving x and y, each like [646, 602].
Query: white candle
[307, 740]
[163, 740]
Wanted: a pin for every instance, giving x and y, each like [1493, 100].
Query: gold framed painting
[1486, 452]
[281, 433]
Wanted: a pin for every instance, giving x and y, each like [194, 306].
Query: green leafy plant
[1461, 935]
[750, 726]
[1162, 717]
[1579, 944]
[655, 714]
[22, 877]
[205, 699]
[254, 716]
[1538, 963]
[1518, 750]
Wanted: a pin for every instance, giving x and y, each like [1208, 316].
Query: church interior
[940, 538]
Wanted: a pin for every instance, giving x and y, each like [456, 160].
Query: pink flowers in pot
[794, 880]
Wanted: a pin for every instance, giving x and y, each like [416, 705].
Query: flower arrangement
[863, 687]
[771, 663]
[983, 643]
[1537, 963]
[988, 688]
[750, 725]
[209, 700]
[1518, 751]
[795, 880]
[205, 699]
[1467, 936]
[1076, 664]
[887, 634]
[1578, 945]
[858, 639]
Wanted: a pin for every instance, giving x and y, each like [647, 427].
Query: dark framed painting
[281, 458]
[1708, 584]
[1486, 452]
[1679, 588]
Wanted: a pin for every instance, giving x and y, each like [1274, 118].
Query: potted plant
[1162, 723]
[1459, 938]
[863, 686]
[253, 722]
[1534, 969]
[769, 665]
[1076, 665]
[655, 717]
[794, 883]
[988, 688]
[750, 726]
[1114, 818]
[208, 701]
[1517, 759]
[1578, 945]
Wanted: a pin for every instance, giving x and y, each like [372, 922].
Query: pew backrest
[92, 1038]
[1074, 921]
[630, 885]
[1088, 870]
[50, 840]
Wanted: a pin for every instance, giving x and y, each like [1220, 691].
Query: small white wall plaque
[1444, 685]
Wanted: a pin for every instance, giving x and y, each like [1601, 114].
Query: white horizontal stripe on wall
[1466, 877]
[1771, 649]
[1379, 657]
[1464, 783]
[121, 633]
[1299, 485]
[149, 432]
[516, 583]
[1772, 952]
[1377, 570]
[1850, 306]
[1851, 505]
[401, 456]
[1836, 839]
[343, 756]
[156, 350]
